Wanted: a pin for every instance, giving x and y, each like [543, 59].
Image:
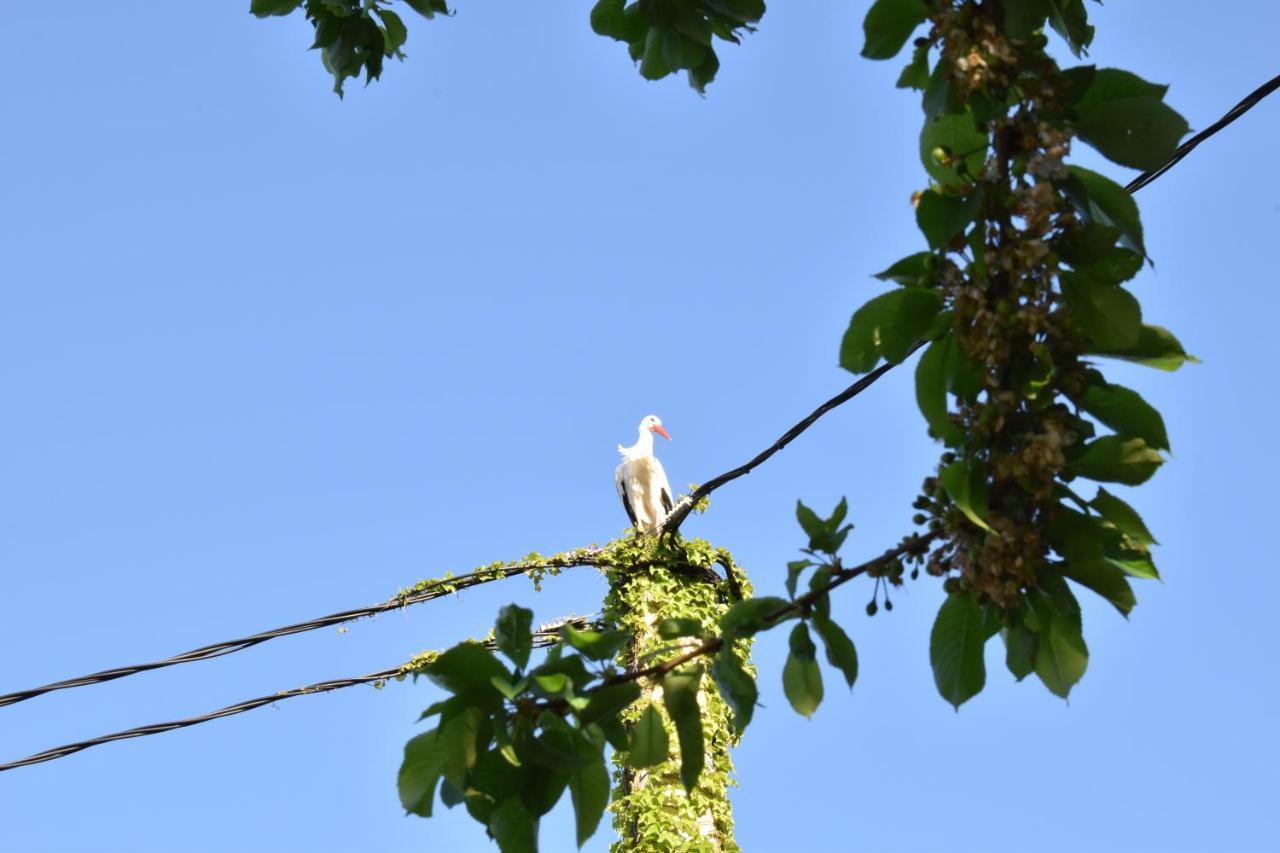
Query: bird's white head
[652, 423]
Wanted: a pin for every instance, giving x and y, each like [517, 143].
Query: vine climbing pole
[665, 595]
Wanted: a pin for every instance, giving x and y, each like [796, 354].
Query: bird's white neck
[642, 448]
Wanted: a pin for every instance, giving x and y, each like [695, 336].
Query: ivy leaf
[943, 217]
[888, 25]
[966, 485]
[888, 325]
[964, 144]
[1156, 347]
[736, 686]
[1124, 517]
[421, 769]
[649, 742]
[512, 633]
[680, 696]
[589, 789]
[1099, 199]
[801, 677]
[1116, 459]
[1123, 117]
[908, 271]
[1109, 316]
[514, 828]
[1125, 412]
[956, 645]
[1020, 650]
[841, 652]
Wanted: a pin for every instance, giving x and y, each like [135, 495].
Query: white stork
[641, 482]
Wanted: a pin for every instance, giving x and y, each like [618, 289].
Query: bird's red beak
[660, 431]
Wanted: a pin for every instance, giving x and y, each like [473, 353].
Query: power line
[544, 636]
[1187, 147]
[427, 592]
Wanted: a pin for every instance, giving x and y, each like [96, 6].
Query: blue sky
[265, 354]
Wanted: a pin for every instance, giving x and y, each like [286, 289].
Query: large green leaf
[608, 701]
[747, 617]
[841, 652]
[589, 788]
[680, 696]
[1109, 315]
[514, 828]
[737, 687]
[956, 644]
[888, 325]
[1123, 116]
[1125, 412]
[1020, 650]
[916, 74]
[1061, 656]
[1069, 20]
[943, 217]
[420, 771]
[596, 645]
[801, 677]
[1103, 577]
[888, 25]
[649, 742]
[962, 143]
[1124, 517]
[1023, 17]
[1117, 459]
[1156, 347]
[908, 271]
[512, 633]
[933, 379]
[1102, 200]
[265, 8]
[468, 669]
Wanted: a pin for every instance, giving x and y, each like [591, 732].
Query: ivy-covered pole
[661, 802]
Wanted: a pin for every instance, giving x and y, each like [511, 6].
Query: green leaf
[468, 668]
[1124, 517]
[1125, 412]
[1116, 459]
[916, 74]
[1123, 116]
[801, 677]
[1108, 315]
[1156, 347]
[737, 687]
[810, 523]
[944, 217]
[1099, 199]
[609, 701]
[595, 645]
[514, 828]
[672, 628]
[824, 534]
[955, 649]
[1104, 578]
[888, 25]
[1020, 650]
[608, 19]
[963, 144]
[966, 485]
[888, 325]
[589, 788]
[395, 34]
[512, 634]
[428, 8]
[747, 617]
[266, 8]
[649, 743]
[794, 569]
[908, 271]
[423, 764]
[680, 696]
[652, 64]
[934, 375]
[939, 97]
[840, 649]
[1062, 656]
[1023, 17]
[1068, 19]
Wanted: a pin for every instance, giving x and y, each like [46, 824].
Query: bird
[641, 481]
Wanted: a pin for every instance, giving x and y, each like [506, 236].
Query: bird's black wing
[626, 503]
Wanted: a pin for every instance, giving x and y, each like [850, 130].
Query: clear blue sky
[265, 354]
